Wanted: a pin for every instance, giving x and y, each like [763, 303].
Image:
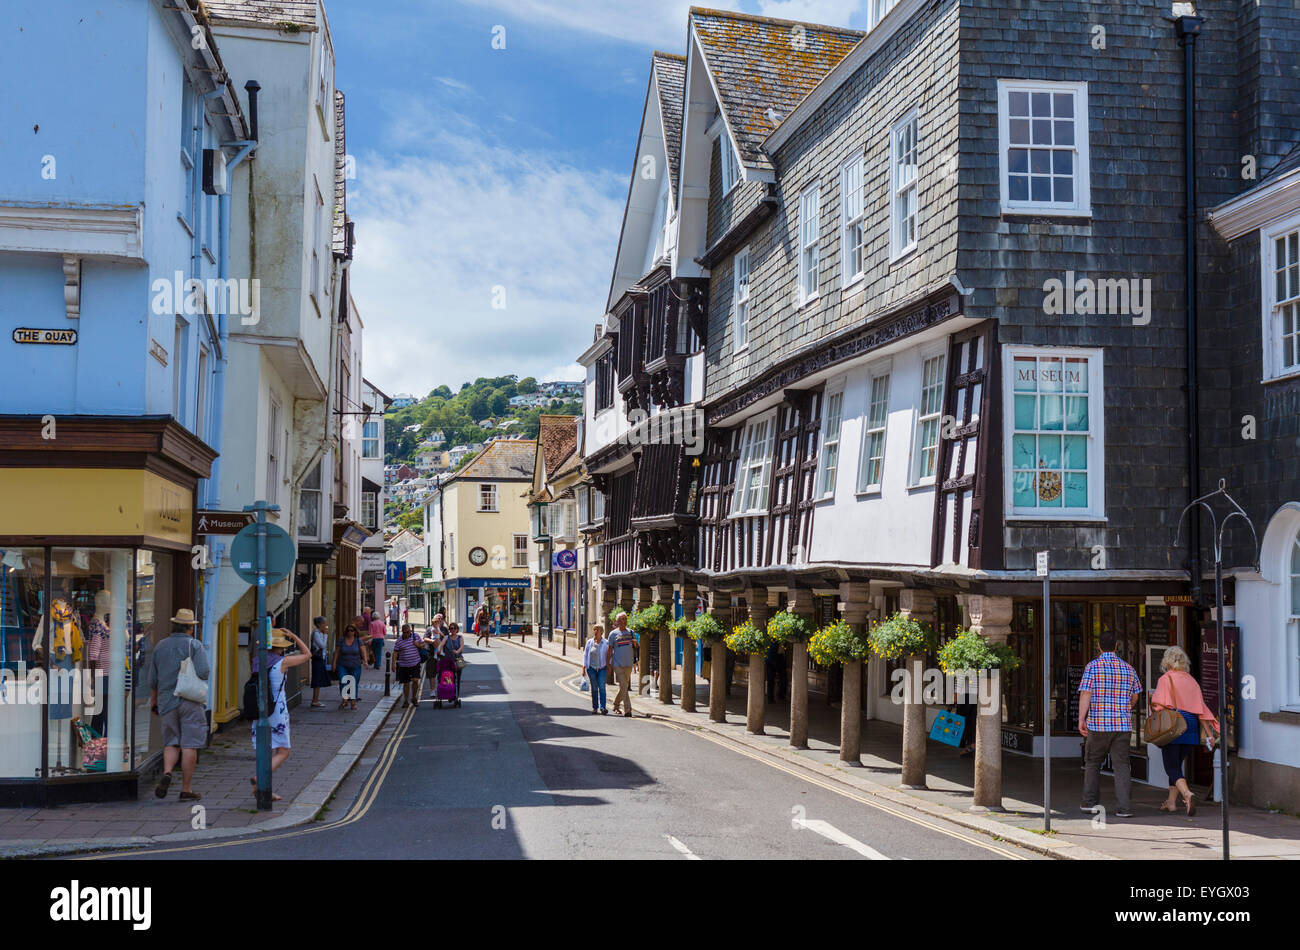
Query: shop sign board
[564, 560]
[372, 561]
[59, 337]
[1210, 677]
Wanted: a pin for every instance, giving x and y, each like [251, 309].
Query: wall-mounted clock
[478, 556]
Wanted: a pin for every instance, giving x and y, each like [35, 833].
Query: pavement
[524, 770]
[1254, 833]
[327, 744]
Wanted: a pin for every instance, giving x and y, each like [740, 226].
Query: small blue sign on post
[395, 572]
[564, 560]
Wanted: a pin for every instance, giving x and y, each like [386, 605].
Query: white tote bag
[188, 684]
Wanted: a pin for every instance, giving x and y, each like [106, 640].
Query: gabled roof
[759, 64]
[1289, 163]
[504, 458]
[557, 436]
[670, 76]
[293, 13]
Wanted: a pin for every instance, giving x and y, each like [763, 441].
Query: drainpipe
[1188, 28]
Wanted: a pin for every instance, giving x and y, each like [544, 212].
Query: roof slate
[1289, 163]
[300, 13]
[759, 63]
[504, 458]
[340, 174]
[670, 75]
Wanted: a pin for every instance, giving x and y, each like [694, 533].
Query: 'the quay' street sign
[64, 337]
[222, 522]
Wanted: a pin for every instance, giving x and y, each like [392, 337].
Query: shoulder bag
[1165, 725]
[188, 684]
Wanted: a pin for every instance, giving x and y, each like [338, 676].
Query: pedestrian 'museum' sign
[60, 337]
[222, 522]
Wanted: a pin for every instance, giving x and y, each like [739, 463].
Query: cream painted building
[476, 530]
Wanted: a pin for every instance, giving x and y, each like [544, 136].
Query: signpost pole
[1045, 572]
[1221, 761]
[263, 634]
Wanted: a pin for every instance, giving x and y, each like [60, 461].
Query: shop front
[1144, 628]
[94, 563]
[511, 595]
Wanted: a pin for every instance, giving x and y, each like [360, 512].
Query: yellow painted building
[476, 529]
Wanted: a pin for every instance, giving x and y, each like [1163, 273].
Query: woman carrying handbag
[1178, 694]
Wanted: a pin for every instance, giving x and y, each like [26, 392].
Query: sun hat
[184, 616]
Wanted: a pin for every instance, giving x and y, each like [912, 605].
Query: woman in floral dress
[279, 718]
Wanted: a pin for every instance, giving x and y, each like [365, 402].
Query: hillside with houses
[426, 439]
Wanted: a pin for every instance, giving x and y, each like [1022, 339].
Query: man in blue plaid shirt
[1107, 694]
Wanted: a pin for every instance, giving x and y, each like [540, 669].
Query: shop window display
[153, 613]
[64, 616]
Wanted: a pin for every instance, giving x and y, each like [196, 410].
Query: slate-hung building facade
[898, 415]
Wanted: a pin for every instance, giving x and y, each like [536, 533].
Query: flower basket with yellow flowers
[747, 638]
[901, 636]
[649, 619]
[706, 627]
[838, 642]
[785, 627]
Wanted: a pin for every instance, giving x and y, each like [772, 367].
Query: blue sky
[481, 168]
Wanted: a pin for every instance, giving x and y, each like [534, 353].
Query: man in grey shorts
[184, 723]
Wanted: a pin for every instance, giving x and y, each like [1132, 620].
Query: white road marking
[690, 855]
[830, 832]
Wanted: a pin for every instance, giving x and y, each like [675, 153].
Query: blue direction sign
[280, 554]
[396, 573]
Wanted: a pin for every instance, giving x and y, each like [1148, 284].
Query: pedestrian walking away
[595, 660]
[406, 653]
[481, 627]
[183, 722]
[278, 665]
[1107, 694]
[349, 658]
[1178, 690]
[320, 674]
[377, 632]
[623, 655]
[394, 615]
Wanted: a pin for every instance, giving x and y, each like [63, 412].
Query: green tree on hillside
[526, 386]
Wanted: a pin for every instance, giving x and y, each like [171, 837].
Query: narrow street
[523, 770]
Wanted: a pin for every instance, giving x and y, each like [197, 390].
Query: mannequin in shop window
[65, 652]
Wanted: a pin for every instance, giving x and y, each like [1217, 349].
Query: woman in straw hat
[279, 664]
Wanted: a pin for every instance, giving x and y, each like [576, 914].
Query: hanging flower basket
[969, 651]
[705, 627]
[785, 627]
[747, 638]
[838, 642]
[649, 619]
[901, 636]
[680, 627]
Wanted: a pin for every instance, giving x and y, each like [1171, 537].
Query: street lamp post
[1221, 760]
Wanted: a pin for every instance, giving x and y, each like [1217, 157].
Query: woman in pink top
[1178, 690]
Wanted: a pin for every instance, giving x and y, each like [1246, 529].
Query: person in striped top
[407, 654]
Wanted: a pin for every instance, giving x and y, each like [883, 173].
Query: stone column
[856, 608]
[919, 606]
[801, 603]
[756, 705]
[663, 594]
[718, 665]
[991, 618]
[688, 597]
[643, 681]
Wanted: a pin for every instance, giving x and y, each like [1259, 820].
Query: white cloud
[660, 23]
[441, 228]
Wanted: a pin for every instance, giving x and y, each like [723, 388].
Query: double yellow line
[369, 793]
